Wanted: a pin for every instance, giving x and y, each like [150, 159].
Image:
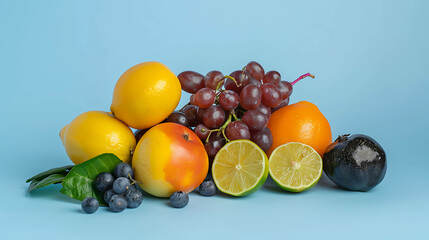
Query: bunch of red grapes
[223, 108]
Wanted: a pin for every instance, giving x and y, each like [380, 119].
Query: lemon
[295, 166]
[240, 168]
[95, 132]
[145, 95]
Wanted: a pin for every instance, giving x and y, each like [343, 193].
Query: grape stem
[233, 79]
[302, 77]
[221, 129]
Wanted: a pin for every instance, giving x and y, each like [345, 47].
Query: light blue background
[61, 58]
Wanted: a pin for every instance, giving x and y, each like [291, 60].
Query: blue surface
[61, 58]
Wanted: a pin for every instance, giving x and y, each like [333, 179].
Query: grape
[237, 130]
[134, 198]
[212, 79]
[104, 181]
[200, 114]
[255, 120]
[263, 138]
[282, 104]
[191, 81]
[213, 117]
[117, 203]
[215, 143]
[90, 205]
[138, 134]
[121, 185]
[271, 95]
[204, 97]
[255, 70]
[190, 112]
[123, 170]
[179, 118]
[255, 81]
[202, 131]
[242, 78]
[228, 100]
[192, 99]
[272, 77]
[250, 97]
[179, 199]
[265, 110]
[285, 89]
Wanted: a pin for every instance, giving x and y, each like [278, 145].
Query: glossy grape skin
[250, 97]
[121, 185]
[214, 117]
[200, 114]
[207, 188]
[228, 100]
[202, 131]
[138, 134]
[237, 130]
[273, 77]
[179, 118]
[242, 78]
[255, 81]
[265, 110]
[190, 112]
[282, 104]
[191, 81]
[286, 89]
[271, 95]
[213, 78]
[204, 97]
[263, 138]
[255, 70]
[215, 143]
[255, 120]
[134, 198]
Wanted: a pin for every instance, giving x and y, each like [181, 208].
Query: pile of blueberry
[119, 190]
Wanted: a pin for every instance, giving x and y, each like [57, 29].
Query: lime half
[240, 168]
[295, 167]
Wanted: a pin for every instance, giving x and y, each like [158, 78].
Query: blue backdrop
[61, 58]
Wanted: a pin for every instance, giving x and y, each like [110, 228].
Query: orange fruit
[300, 122]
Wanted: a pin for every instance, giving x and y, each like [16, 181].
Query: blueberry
[207, 188]
[117, 203]
[134, 198]
[104, 181]
[121, 185]
[179, 199]
[123, 170]
[90, 205]
[108, 195]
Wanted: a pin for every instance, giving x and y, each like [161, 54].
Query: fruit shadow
[50, 192]
[326, 183]
[272, 186]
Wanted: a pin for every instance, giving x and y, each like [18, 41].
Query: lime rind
[245, 173]
[302, 187]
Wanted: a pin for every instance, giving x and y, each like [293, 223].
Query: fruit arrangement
[235, 131]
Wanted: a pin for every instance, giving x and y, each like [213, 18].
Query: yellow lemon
[145, 95]
[95, 132]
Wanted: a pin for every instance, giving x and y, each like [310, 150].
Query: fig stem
[302, 77]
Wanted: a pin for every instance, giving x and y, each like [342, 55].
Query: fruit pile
[235, 131]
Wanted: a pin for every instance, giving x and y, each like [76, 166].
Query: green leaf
[45, 174]
[78, 183]
[51, 179]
